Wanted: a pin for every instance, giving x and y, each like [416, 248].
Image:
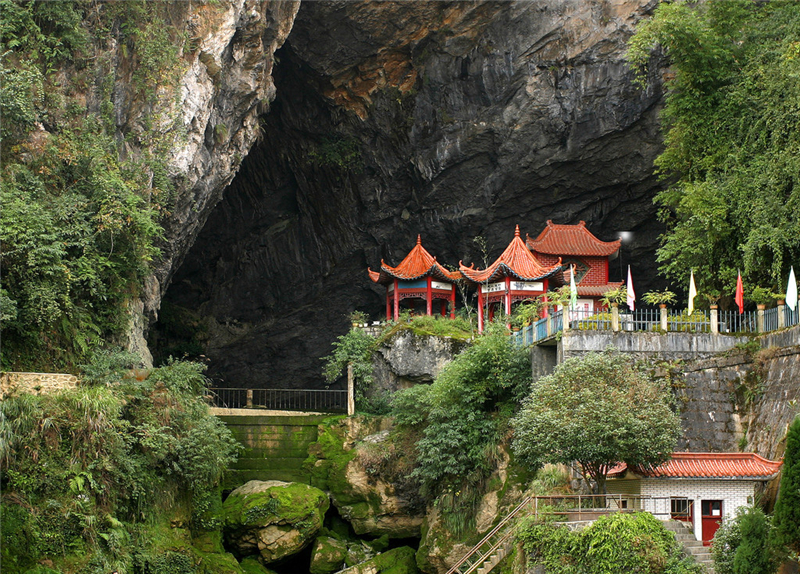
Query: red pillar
[396, 301]
[453, 302]
[508, 296]
[444, 307]
[480, 310]
[429, 299]
[388, 305]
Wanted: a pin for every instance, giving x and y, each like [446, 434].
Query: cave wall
[448, 119]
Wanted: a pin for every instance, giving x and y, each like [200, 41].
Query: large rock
[408, 359]
[449, 119]
[272, 518]
[345, 461]
[396, 561]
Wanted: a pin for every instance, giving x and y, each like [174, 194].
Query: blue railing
[644, 320]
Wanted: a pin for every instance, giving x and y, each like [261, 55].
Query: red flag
[739, 298]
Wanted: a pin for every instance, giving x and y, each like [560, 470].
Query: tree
[596, 410]
[754, 554]
[787, 507]
[730, 156]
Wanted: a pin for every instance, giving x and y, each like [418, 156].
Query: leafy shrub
[89, 464]
[636, 543]
[787, 507]
[461, 418]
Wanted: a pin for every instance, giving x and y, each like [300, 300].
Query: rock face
[273, 519]
[408, 359]
[449, 119]
[346, 461]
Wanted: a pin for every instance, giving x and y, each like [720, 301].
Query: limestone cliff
[449, 119]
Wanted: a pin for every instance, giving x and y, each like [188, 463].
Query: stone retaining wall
[35, 383]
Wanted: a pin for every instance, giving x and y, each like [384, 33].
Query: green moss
[328, 458]
[253, 566]
[292, 503]
[397, 561]
[328, 555]
[218, 564]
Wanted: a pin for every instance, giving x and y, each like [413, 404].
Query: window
[679, 508]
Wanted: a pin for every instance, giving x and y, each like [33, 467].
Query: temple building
[517, 275]
[574, 245]
[418, 278]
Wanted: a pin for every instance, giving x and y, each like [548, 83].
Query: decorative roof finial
[419, 239]
[516, 233]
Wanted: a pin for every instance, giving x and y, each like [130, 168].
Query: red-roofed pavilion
[419, 276]
[515, 276]
[576, 246]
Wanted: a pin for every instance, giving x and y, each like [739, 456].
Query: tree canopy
[596, 410]
[731, 145]
[787, 507]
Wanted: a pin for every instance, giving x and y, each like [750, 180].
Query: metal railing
[735, 322]
[308, 400]
[791, 318]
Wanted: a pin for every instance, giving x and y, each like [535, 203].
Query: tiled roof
[730, 465]
[596, 290]
[418, 263]
[516, 261]
[558, 239]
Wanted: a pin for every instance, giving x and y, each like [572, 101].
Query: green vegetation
[90, 475]
[731, 156]
[745, 545]
[356, 347]
[80, 219]
[460, 419]
[342, 153]
[626, 413]
[636, 543]
[787, 507]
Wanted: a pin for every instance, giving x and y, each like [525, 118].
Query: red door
[711, 515]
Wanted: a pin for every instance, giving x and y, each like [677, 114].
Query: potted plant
[358, 318]
[761, 296]
[660, 298]
[713, 296]
[526, 313]
[613, 297]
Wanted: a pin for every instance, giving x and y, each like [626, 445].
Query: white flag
[573, 290]
[631, 294]
[692, 293]
[791, 291]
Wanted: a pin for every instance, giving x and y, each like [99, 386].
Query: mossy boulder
[218, 564]
[328, 555]
[272, 518]
[368, 501]
[253, 566]
[397, 561]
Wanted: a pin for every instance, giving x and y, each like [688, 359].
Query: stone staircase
[693, 547]
[275, 447]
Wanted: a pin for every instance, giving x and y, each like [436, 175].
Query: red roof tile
[418, 263]
[730, 465]
[516, 261]
[558, 239]
[596, 290]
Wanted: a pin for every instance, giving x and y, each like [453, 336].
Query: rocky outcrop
[397, 561]
[408, 359]
[351, 460]
[273, 519]
[449, 119]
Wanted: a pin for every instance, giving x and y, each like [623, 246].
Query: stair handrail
[486, 538]
[503, 539]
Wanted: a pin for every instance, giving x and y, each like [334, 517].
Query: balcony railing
[303, 400]
[660, 320]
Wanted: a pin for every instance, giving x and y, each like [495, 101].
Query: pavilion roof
[417, 264]
[596, 290]
[557, 239]
[516, 261]
[722, 465]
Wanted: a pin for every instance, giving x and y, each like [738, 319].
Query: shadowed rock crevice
[457, 120]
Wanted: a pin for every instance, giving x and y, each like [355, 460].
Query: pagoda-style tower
[576, 246]
[419, 276]
[515, 276]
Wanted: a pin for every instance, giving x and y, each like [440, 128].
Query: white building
[702, 488]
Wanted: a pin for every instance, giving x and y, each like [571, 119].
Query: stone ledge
[12, 383]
